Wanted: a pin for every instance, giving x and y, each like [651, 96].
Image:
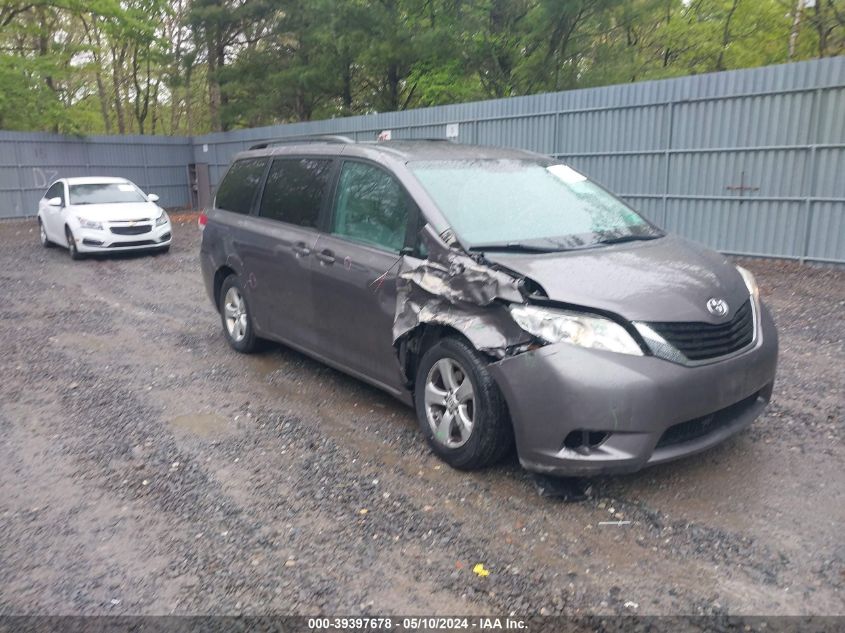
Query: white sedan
[100, 215]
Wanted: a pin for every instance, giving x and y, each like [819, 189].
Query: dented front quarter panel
[451, 289]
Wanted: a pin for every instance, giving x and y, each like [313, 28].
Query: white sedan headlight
[89, 224]
[162, 219]
[584, 330]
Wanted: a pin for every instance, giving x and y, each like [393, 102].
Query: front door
[354, 272]
[53, 223]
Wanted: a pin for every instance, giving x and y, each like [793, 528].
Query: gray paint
[669, 147]
[348, 314]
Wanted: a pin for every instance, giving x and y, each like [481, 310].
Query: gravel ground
[147, 468]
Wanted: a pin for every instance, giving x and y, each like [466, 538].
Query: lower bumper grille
[705, 425]
[130, 244]
[139, 229]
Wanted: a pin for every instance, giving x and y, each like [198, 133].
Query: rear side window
[237, 191]
[371, 207]
[295, 189]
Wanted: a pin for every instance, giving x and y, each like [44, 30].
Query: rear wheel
[71, 245]
[236, 317]
[460, 408]
[42, 235]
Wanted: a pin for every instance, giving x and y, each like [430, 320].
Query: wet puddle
[202, 424]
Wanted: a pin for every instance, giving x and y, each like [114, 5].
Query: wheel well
[415, 343]
[219, 277]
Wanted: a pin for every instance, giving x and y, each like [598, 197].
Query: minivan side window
[56, 191]
[295, 189]
[237, 191]
[370, 206]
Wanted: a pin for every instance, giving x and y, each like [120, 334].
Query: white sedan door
[52, 216]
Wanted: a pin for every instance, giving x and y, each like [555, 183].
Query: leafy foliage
[191, 66]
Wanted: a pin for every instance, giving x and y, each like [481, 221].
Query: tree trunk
[726, 36]
[796, 26]
[117, 63]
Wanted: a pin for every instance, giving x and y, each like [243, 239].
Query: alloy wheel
[71, 244]
[235, 314]
[449, 402]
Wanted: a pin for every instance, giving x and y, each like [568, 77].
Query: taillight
[202, 220]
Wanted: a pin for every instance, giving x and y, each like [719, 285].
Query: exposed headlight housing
[162, 219]
[584, 330]
[750, 283]
[89, 224]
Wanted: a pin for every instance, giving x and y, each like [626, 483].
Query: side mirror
[55, 202]
[152, 197]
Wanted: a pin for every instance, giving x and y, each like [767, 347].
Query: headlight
[89, 224]
[584, 330]
[750, 282]
[162, 219]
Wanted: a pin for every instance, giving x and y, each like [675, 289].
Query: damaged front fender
[451, 289]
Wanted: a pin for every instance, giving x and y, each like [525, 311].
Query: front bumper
[104, 240]
[645, 409]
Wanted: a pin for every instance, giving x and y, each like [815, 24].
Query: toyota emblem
[717, 307]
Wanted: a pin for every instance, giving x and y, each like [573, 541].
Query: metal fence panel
[29, 162]
[746, 161]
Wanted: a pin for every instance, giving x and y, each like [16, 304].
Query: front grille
[129, 244]
[701, 341]
[131, 230]
[705, 425]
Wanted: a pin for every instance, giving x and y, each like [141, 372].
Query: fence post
[667, 157]
[808, 182]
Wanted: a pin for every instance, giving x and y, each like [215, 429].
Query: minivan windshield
[526, 205]
[105, 193]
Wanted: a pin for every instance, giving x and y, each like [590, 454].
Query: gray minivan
[501, 293]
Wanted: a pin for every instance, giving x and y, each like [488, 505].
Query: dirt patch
[150, 469]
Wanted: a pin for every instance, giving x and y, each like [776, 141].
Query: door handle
[326, 257]
[301, 250]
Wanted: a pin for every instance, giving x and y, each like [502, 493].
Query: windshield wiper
[627, 238]
[512, 247]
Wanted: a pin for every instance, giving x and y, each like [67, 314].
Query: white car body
[103, 227]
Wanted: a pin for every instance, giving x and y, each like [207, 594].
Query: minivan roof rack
[325, 138]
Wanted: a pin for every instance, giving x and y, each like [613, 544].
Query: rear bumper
[645, 410]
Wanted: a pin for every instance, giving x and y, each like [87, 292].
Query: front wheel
[42, 235]
[71, 245]
[460, 408]
[236, 317]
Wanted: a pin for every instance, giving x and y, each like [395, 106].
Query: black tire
[42, 235]
[163, 251]
[249, 342]
[491, 438]
[71, 245]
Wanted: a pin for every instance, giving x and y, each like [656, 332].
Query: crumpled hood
[667, 279]
[117, 212]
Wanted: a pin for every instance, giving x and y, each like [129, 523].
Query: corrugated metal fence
[749, 161]
[29, 162]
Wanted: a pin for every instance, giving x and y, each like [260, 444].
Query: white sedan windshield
[105, 193]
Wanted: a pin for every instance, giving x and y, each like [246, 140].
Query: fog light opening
[583, 441]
